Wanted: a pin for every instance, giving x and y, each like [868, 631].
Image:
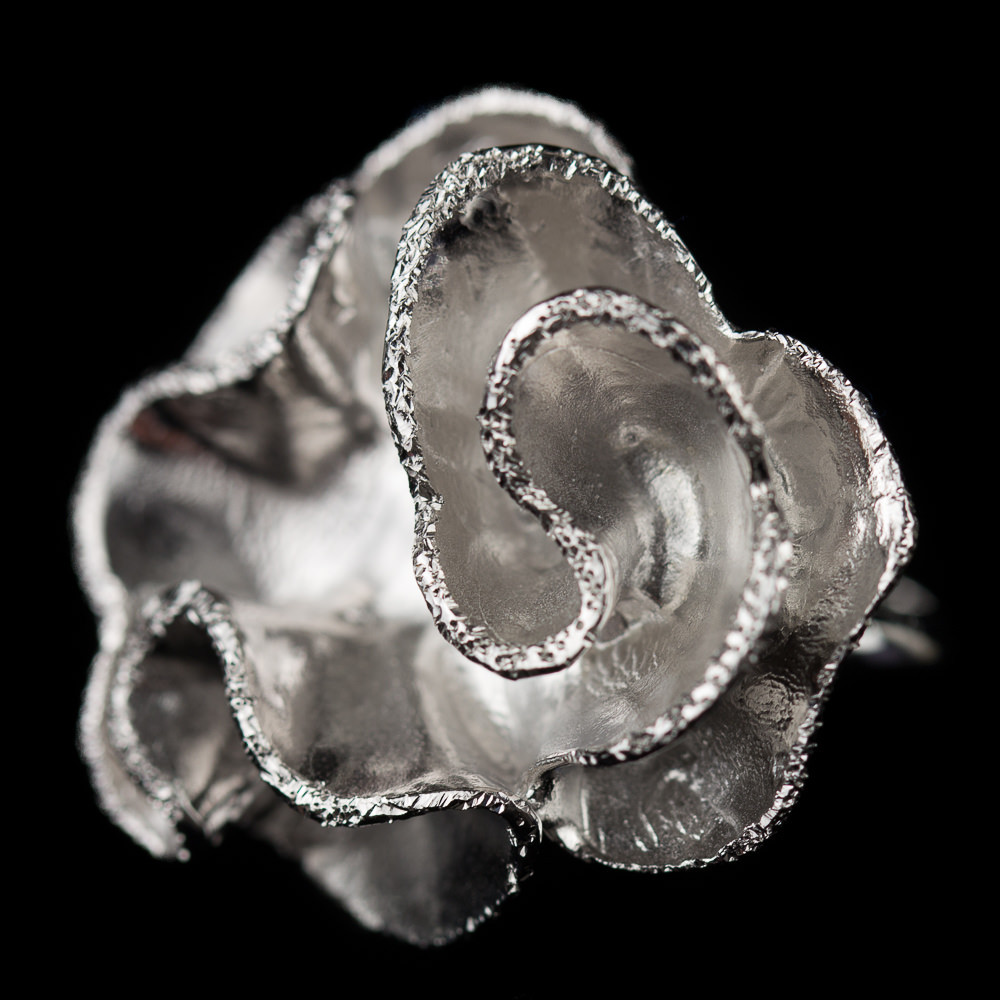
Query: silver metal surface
[642, 540]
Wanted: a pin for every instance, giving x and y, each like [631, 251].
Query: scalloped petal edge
[762, 593]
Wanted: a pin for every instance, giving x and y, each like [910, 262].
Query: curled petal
[497, 232]
[146, 819]
[333, 714]
[602, 382]
[162, 499]
[722, 787]
[426, 881]
[838, 483]
[193, 690]
[477, 246]
[169, 726]
[713, 793]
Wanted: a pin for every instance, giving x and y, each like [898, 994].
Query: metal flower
[645, 539]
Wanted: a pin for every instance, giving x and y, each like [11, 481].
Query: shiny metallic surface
[675, 533]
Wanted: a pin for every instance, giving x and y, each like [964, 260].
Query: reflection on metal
[642, 540]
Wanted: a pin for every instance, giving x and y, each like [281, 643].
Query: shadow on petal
[425, 880]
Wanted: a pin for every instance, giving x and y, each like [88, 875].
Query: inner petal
[616, 431]
[631, 449]
[600, 406]
[336, 701]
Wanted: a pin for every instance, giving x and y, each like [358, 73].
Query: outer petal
[332, 717]
[712, 793]
[497, 230]
[720, 788]
[188, 540]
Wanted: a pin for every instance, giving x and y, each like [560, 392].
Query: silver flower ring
[552, 551]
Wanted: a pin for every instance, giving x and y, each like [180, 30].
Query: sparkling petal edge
[467, 177]
[108, 598]
[761, 595]
[214, 616]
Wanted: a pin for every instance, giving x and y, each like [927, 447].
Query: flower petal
[507, 227]
[158, 503]
[720, 789]
[497, 231]
[168, 724]
[333, 722]
[611, 422]
[147, 820]
[836, 480]
[332, 714]
[425, 880]
[712, 793]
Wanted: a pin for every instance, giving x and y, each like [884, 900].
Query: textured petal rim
[761, 596]
[381, 908]
[233, 345]
[489, 102]
[449, 199]
[160, 780]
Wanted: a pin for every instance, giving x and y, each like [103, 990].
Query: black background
[815, 183]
